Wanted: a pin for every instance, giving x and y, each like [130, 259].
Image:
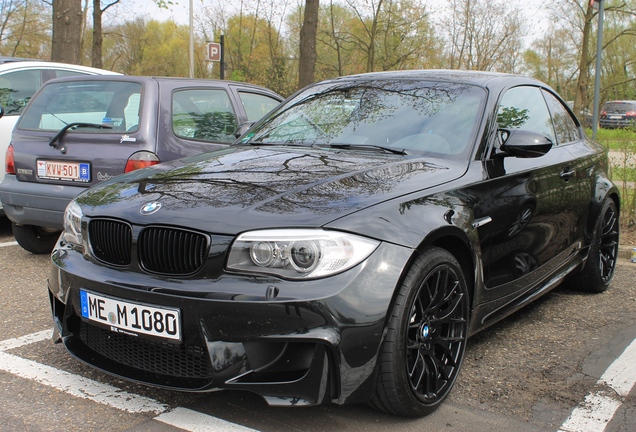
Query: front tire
[426, 337]
[34, 239]
[595, 277]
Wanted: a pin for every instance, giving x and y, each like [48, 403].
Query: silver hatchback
[77, 132]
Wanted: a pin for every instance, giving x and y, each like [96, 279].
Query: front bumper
[316, 341]
[36, 204]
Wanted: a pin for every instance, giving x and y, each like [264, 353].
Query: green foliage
[621, 144]
[511, 117]
[155, 48]
[25, 29]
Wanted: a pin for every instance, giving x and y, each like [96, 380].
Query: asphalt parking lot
[555, 360]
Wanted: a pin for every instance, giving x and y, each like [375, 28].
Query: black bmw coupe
[345, 247]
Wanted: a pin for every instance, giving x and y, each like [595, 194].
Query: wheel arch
[456, 242]
[604, 190]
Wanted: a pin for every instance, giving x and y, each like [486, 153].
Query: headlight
[73, 224]
[298, 253]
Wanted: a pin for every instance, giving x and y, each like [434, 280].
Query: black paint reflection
[409, 115]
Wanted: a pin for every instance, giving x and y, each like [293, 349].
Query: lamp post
[597, 4]
[191, 43]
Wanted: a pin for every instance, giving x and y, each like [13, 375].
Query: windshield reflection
[406, 115]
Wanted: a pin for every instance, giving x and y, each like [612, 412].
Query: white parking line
[195, 421]
[105, 394]
[599, 407]
[13, 243]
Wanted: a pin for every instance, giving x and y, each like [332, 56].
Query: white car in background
[19, 80]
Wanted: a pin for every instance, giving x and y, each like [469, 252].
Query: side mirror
[243, 127]
[524, 144]
[1, 111]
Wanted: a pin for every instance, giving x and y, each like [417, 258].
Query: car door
[527, 230]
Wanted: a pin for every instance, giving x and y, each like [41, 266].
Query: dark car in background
[345, 248]
[80, 131]
[618, 114]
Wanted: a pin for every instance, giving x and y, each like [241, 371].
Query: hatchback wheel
[426, 338]
[35, 239]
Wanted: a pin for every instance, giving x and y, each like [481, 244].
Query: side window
[524, 108]
[205, 115]
[17, 88]
[564, 126]
[257, 105]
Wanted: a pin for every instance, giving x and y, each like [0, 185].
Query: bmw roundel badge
[150, 208]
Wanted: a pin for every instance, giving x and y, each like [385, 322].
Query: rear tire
[595, 277]
[34, 239]
[426, 337]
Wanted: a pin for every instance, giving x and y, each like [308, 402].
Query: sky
[179, 11]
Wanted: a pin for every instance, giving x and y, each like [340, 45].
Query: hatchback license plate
[73, 171]
[131, 318]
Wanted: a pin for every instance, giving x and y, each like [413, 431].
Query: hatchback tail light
[142, 159]
[630, 113]
[9, 166]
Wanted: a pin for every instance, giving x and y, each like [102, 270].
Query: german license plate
[615, 117]
[131, 318]
[72, 171]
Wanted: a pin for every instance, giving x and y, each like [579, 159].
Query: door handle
[567, 174]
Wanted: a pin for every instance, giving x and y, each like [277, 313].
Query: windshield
[414, 116]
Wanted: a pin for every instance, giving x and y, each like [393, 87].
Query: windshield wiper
[370, 146]
[282, 143]
[56, 139]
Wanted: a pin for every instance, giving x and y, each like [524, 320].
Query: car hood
[240, 188]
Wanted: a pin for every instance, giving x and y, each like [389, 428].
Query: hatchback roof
[146, 79]
[39, 64]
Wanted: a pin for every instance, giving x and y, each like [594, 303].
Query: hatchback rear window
[113, 103]
[619, 107]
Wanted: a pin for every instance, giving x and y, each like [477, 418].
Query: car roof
[146, 79]
[622, 101]
[4, 59]
[480, 78]
[39, 64]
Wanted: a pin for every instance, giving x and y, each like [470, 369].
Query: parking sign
[214, 51]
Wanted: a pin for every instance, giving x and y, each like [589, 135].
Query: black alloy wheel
[599, 268]
[426, 338]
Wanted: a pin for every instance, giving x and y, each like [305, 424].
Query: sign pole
[222, 73]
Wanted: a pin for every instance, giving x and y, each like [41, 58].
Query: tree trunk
[67, 27]
[580, 95]
[96, 53]
[308, 33]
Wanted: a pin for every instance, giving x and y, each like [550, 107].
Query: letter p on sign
[214, 51]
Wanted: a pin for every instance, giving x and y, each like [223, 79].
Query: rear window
[619, 107]
[113, 103]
